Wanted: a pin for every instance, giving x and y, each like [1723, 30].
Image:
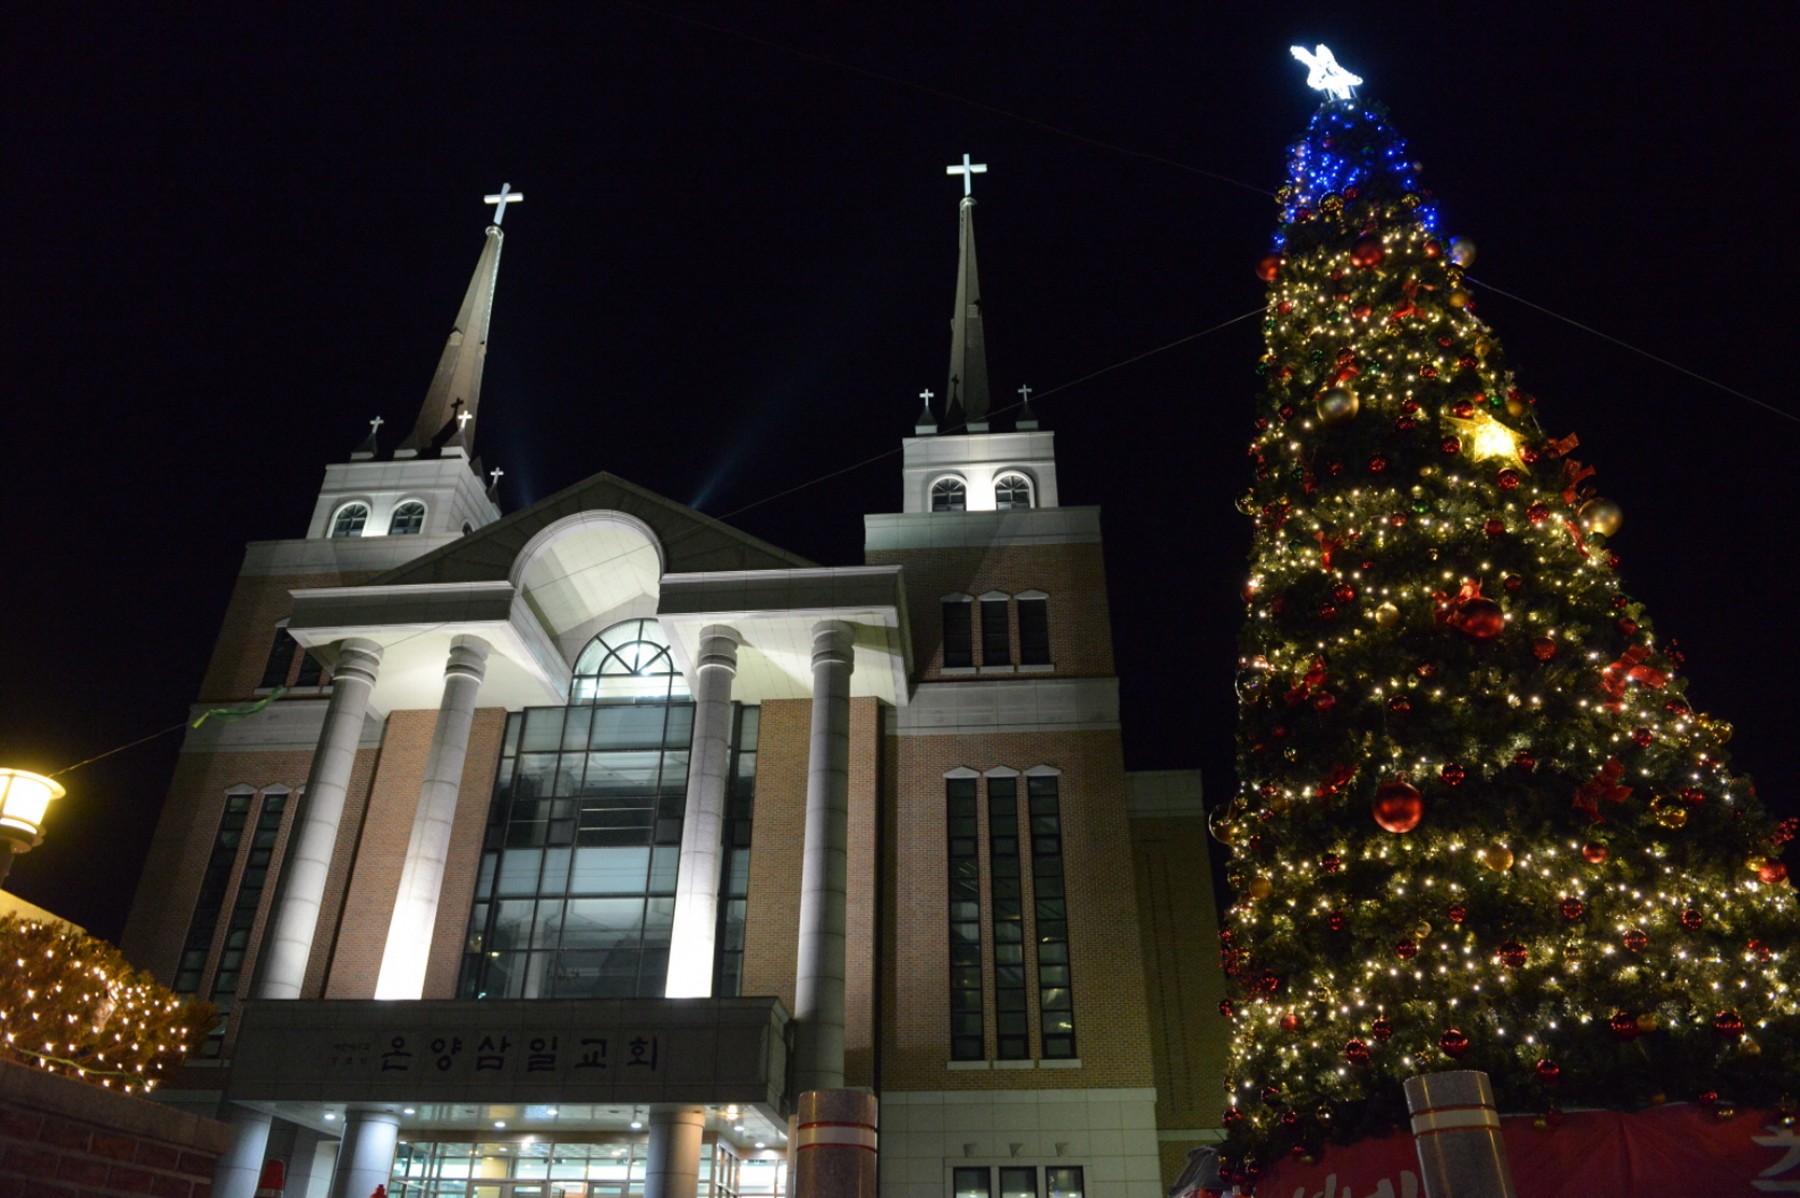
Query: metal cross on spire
[1323, 72]
[375, 425]
[927, 395]
[500, 200]
[494, 476]
[1025, 394]
[968, 170]
[462, 419]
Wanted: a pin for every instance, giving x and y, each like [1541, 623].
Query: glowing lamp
[24, 798]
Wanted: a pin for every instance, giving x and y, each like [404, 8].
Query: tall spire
[447, 417]
[966, 400]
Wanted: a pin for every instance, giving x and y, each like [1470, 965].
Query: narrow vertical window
[1006, 894]
[996, 632]
[281, 660]
[244, 909]
[1018, 1181]
[211, 900]
[734, 882]
[959, 648]
[966, 1035]
[1034, 632]
[1056, 1004]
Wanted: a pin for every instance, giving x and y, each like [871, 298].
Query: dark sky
[238, 233]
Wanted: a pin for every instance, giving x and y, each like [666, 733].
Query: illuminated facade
[579, 840]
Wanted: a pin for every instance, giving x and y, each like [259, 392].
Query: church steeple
[966, 400]
[446, 421]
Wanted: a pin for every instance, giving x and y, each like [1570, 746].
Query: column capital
[834, 643]
[718, 648]
[468, 657]
[357, 658]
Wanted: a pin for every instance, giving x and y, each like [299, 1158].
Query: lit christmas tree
[1480, 825]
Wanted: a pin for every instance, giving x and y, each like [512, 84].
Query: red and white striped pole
[835, 1144]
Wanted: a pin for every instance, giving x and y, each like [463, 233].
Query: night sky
[237, 234]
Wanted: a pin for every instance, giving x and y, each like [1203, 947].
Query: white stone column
[281, 972]
[366, 1157]
[422, 878]
[672, 1159]
[238, 1171]
[691, 943]
[819, 972]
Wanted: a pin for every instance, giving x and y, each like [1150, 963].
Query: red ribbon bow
[1631, 668]
[1312, 681]
[1336, 780]
[1603, 785]
[1327, 544]
[1449, 609]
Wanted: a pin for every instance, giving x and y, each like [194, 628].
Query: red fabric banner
[1666, 1152]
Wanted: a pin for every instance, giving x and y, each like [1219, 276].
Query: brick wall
[61, 1138]
[258, 603]
[1106, 967]
[1181, 960]
[778, 834]
[1073, 575]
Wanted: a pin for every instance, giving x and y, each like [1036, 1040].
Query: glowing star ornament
[1323, 72]
[1487, 439]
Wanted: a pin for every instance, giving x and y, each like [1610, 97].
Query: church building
[577, 842]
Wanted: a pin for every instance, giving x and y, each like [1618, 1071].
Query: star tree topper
[1323, 72]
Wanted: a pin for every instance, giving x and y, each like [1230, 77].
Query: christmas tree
[1479, 824]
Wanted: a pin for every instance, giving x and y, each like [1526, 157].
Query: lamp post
[24, 797]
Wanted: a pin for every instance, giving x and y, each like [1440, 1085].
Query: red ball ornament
[1271, 1095]
[1356, 1052]
[1508, 479]
[1691, 919]
[1377, 464]
[1361, 311]
[1453, 774]
[1524, 760]
[1331, 863]
[1324, 701]
[1268, 268]
[1624, 1025]
[1595, 852]
[1537, 513]
[1290, 1022]
[1405, 424]
[1643, 737]
[1343, 593]
[1773, 874]
[1399, 704]
[1462, 409]
[1495, 527]
[1637, 940]
[1367, 252]
[1512, 954]
[1232, 1117]
[1548, 1071]
[1481, 619]
[1760, 951]
[1450, 444]
[1728, 1024]
[1693, 796]
[1543, 648]
[1286, 412]
[1572, 908]
[1381, 1029]
[1336, 921]
[1398, 807]
[1454, 1043]
[1406, 950]
[1327, 612]
[1457, 913]
[1227, 1008]
[1513, 583]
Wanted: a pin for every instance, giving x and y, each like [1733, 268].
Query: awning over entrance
[572, 1055]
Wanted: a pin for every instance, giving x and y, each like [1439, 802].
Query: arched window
[630, 660]
[949, 495]
[1011, 492]
[408, 519]
[350, 520]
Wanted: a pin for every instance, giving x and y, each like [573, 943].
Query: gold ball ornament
[1497, 857]
[1670, 812]
[1647, 1022]
[1246, 504]
[1422, 931]
[1601, 516]
[1755, 864]
[1457, 299]
[1387, 616]
[1261, 887]
[1338, 405]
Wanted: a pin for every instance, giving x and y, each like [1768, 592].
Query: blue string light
[1350, 145]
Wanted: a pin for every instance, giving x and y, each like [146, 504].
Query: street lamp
[24, 797]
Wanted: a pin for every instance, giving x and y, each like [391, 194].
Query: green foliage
[71, 1004]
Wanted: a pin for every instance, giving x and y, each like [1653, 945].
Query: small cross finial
[375, 425]
[968, 170]
[1323, 72]
[1025, 393]
[494, 476]
[927, 395]
[506, 195]
[462, 419]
